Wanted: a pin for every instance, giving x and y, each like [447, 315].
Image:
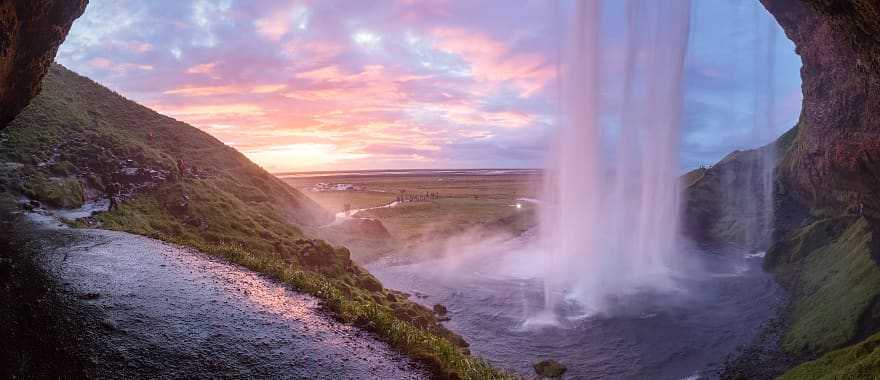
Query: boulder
[549, 368]
[440, 309]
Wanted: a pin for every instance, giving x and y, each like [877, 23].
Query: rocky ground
[40, 336]
[138, 308]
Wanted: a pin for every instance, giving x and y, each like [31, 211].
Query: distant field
[435, 205]
[382, 189]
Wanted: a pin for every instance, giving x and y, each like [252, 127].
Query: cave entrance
[743, 84]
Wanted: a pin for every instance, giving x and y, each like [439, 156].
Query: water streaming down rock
[748, 190]
[611, 225]
[759, 200]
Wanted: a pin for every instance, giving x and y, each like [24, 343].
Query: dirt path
[165, 311]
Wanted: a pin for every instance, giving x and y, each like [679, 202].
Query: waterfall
[763, 122]
[611, 221]
[749, 186]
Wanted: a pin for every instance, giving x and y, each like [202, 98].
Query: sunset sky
[339, 85]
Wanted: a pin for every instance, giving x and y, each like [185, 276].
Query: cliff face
[831, 163]
[823, 250]
[726, 204]
[834, 163]
[30, 33]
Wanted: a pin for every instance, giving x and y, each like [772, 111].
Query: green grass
[859, 361]
[443, 218]
[463, 205]
[77, 137]
[834, 281]
[56, 192]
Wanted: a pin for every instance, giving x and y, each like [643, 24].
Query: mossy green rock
[834, 280]
[56, 192]
[549, 368]
[860, 361]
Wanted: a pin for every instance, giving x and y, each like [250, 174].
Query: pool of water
[495, 299]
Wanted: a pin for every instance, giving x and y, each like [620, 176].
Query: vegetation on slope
[834, 282]
[860, 361]
[716, 198]
[78, 141]
[823, 257]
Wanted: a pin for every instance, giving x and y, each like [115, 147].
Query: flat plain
[421, 209]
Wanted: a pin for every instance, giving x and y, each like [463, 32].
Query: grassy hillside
[834, 282]
[860, 361]
[78, 142]
[716, 199]
[825, 258]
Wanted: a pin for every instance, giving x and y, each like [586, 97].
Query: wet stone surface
[165, 311]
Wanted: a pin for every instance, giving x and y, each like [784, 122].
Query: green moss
[835, 281]
[56, 192]
[786, 141]
[859, 361]
[63, 168]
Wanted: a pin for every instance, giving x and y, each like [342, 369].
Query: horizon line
[395, 170]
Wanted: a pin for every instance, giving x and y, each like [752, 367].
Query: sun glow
[304, 156]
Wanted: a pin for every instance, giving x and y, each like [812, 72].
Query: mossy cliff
[824, 246]
[723, 203]
[859, 361]
[835, 283]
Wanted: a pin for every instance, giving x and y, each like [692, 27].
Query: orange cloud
[205, 68]
[203, 91]
[212, 111]
[268, 88]
[276, 158]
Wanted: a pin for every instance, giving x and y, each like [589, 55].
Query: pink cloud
[492, 62]
[205, 68]
[268, 88]
[139, 47]
[203, 91]
[119, 68]
[275, 26]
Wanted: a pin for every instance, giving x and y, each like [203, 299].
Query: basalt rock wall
[834, 163]
[30, 33]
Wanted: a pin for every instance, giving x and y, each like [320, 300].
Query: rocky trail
[162, 310]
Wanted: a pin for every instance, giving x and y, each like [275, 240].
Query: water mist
[609, 227]
[759, 195]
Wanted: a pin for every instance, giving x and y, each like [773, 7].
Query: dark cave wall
[30, 33]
